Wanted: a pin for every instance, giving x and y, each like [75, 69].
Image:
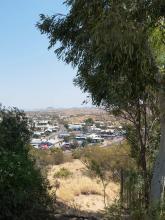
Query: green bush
[43, 158]
[113, 212]
[22, 188]
[77, 153]
[116, 211]
[58, 155]
[63, 173]
[23, 191]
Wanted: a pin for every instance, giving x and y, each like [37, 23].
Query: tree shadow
[64, 211]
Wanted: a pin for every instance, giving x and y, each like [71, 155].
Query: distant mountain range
[71, 110]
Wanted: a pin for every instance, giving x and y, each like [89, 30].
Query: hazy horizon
[59, 108]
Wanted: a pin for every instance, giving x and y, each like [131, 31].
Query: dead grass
[76, 187]
[81, 189]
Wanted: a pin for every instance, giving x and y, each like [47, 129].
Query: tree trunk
[121, 185]
[143, 163]
[158, 179]
[145, 175]
[104, 193]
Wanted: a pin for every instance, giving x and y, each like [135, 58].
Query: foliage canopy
[109, 43]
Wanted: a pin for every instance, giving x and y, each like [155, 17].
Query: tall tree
[109, 41]
[158, 44]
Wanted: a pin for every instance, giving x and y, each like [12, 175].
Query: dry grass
[80, 189]
[76, 187]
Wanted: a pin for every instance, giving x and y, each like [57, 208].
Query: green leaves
[14, 130]
[108, 43]
[22, 189]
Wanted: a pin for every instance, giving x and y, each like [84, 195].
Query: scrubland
[78, 189]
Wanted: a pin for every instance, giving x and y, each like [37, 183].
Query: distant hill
[71, 111]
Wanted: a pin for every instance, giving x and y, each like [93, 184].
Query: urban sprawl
[68, 130]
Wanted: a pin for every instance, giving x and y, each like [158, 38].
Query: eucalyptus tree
[111, 43]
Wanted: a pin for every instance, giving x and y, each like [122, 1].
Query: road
[55, 135]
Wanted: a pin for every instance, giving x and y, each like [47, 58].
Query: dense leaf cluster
[118, 49]
[23, 192]
[109, 43]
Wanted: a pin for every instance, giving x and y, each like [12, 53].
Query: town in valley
[75, 127]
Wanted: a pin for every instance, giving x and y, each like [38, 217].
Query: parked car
[45, 145]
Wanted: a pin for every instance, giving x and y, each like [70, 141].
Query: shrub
[89, 121]
[63, 173]
[22, 188]
[77, 153]
[114, 212]
[23, 193]
[106, 163]
[43, 158]
[58, 155]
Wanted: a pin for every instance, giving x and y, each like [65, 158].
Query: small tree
[98, 162]
[67, 139]
[106, 163]
[66, 126]
[89, 121]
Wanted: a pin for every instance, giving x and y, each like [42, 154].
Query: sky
[31, 76]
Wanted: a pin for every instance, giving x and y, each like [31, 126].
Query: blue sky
[31, 76]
